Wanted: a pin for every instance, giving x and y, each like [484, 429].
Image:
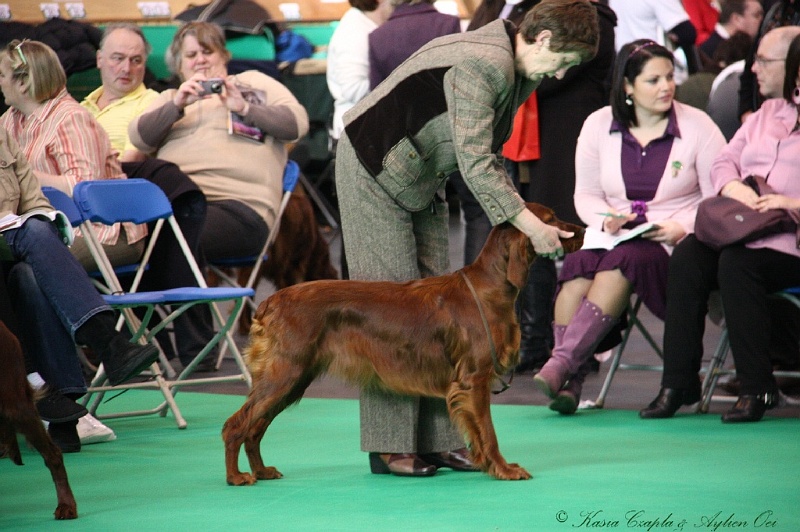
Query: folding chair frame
[291, 175]
[716, 367]
[183, 298]
[633, 322]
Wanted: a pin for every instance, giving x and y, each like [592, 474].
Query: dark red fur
[18, 415]
[422, 337]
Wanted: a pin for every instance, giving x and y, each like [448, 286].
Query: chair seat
[135, 299]
[195, 293]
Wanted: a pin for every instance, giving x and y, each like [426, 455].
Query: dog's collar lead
[498, 369]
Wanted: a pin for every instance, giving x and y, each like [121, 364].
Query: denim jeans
[63, 298]
[49, 348]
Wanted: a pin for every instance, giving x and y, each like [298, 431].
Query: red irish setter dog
[18, 414]
[425, 337]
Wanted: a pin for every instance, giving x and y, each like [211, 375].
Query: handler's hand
[546, 239]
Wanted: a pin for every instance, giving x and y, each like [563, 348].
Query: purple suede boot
[580, 339]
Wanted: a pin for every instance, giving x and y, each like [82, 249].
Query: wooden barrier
[102, 11]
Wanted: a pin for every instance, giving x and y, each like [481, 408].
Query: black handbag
[723, 221]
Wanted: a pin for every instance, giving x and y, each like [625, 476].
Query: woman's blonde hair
[37, 66]
[208, 35]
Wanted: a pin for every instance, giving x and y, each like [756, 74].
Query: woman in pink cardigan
[645, 158]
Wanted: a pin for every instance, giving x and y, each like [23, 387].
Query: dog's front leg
[469, 405]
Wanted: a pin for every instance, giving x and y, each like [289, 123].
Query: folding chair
[64, 203]
[716, 368]
[291, 174]
[633, 323]
[140, 201]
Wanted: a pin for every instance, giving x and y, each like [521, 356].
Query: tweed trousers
[386, 242]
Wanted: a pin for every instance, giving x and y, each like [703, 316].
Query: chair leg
[714, 372]
[616, 360]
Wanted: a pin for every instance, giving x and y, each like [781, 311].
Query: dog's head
[521, 252]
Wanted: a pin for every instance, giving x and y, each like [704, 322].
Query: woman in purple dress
[645, 158]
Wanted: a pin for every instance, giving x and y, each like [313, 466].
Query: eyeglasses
[763, 61]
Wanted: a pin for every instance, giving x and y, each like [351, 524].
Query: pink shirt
[63, 139]
[768, 145]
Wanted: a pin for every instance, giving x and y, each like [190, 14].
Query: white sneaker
[91, 430]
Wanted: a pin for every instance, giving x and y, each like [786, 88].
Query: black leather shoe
[457, 460]
[124, 360]
[55, 407]
[400, 464]
[749, 408]
[668, 402]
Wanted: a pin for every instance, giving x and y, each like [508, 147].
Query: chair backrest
[109, 201]
[291, 174]
[62, 202]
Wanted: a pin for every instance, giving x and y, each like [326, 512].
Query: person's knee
[21, 279]
[190, 205]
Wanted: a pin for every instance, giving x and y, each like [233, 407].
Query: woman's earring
[629, 100]
[796, 95]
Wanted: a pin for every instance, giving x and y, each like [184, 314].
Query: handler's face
[536, 60]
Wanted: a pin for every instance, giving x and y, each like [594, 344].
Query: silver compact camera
[212, 86]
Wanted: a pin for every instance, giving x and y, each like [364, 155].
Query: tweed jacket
[449, 107]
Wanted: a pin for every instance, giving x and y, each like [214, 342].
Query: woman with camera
[228, 133]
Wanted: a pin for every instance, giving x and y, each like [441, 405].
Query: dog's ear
[520, 253]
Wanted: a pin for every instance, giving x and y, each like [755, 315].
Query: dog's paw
[509, 472]
[66, 511]
[241, 479]
[268, 473]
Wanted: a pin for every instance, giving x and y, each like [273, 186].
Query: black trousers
[169, 269]
[757, 327]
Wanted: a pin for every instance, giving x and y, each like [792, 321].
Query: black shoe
[55, 407]
[457, 460]
[749, 408]
[65, 435]
[123, 360]
[400, 464]
[668, 402]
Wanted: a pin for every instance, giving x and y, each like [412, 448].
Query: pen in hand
[612, 215]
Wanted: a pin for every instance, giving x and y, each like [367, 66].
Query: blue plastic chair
[140, 201]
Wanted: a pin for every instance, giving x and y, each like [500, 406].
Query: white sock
[36, 380]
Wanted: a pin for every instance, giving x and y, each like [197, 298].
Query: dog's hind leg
[269, 397]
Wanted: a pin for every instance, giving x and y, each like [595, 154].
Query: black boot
[535, 312]
[121, 359]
